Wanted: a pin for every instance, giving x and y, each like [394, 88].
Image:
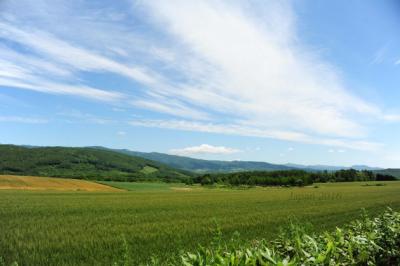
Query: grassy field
[47, 183]
[142, 186]
[81, 228]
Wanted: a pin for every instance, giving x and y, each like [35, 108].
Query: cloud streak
[243, 130]
[204, 149]
[261, 74]
[20, 119]
[225, 67]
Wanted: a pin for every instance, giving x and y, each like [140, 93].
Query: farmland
[141, 186]
[47, 183]
[76, 228]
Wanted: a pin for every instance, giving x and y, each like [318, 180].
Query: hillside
[319, 167]
[205, 166]
[214, 166]
[390, 171]
[82, 163]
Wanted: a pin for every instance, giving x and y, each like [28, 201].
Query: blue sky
[310, 82]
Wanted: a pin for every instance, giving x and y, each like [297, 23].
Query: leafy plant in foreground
[3, 263]
[365, 241]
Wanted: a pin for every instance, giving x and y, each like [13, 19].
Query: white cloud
[19, 119]
[79, 116]
[247, 63]
[379, 55]
[391, 117]
[73, 56]
[238, 65]
[116, 109]
[243, 130]
[172, 107]
[121, 133]
[23, 76]
[290, 149]
[393, 157]
[204, 149]
[337, 150]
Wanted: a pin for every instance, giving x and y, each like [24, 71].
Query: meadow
[98, 228]
[144, 186]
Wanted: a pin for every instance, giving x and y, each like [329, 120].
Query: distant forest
[290, 177]
[84, 163]
[103, 164]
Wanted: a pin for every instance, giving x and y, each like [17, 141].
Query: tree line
[289, 177]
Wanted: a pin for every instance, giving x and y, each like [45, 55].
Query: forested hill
[215, 166]
[206, 166]
[390, 171]
[83, 163]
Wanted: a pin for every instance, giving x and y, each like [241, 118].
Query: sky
[307, 82]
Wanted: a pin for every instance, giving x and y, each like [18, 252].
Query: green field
[142, 186]
[81, 228]
[148, 170]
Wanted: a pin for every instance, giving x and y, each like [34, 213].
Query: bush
[2, 262]
[364, 242]
[287, 177]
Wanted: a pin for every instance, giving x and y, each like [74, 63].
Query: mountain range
[205, 166]
[123, 164]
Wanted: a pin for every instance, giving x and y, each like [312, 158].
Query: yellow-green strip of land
[49, 183]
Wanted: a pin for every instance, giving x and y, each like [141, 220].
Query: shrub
[3, 263]
[364, 242]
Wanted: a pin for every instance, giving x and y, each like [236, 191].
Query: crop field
[47, 183]
[141, 186]
[81, 228]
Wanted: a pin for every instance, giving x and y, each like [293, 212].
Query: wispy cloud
[338, 151]
[392, 157]
[20, 119]
[251, 61]
[59, 88]
[204, 149]
[171, 107]
[379, 56]
[391, 117]
[225, 67]
[78, 116]
[31, 74]
[243, 130]
[71, 55]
